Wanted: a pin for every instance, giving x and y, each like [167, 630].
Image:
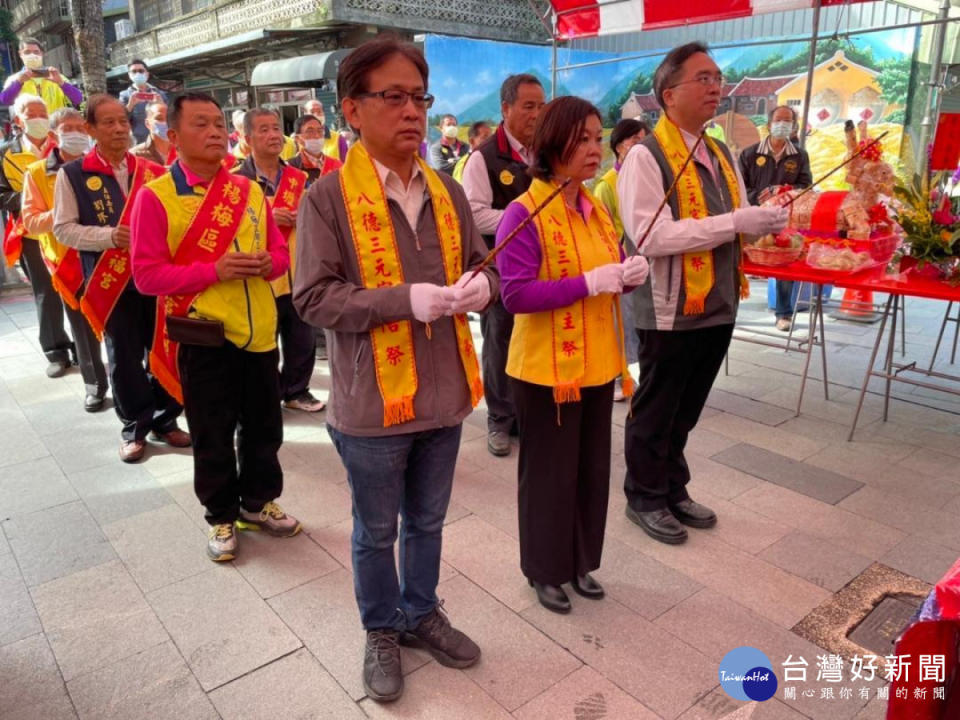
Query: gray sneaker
[222, 545]
[382, 674]
[437, 636]
[498, 443]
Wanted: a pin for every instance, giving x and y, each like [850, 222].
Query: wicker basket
[772, 255]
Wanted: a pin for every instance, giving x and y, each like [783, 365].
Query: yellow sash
[569, 248]
[698, 271]
[378, 257]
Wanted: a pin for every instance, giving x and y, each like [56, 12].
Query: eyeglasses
[398, 98]
[705, 80]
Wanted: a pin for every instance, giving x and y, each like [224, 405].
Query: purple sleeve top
[73, 93]
[10, 92]
[519, 264]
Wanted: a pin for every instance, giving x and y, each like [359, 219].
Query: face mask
[781, 130]
[160, 130]
[33, 62]
[139, 78]
[37, 128]
[73, 143]
[450, 131]
[314, 146]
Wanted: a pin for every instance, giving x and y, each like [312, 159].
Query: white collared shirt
[476, 185]
[409, 197]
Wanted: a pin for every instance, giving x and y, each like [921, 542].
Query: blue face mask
[160, 130]
[139, 79]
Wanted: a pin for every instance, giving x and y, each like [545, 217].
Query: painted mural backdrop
[868, 77]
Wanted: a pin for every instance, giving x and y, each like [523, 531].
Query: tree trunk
[88, 34]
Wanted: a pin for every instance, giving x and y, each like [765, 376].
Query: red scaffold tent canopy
[587, 18]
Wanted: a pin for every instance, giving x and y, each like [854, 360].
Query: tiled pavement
[109, 608]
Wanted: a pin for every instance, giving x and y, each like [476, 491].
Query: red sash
[113, 271]
[66, 276]
[12, 240]
[206, 239]
[289, 192]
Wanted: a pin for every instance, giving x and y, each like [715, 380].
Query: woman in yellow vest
[625, 135]
[562, 276]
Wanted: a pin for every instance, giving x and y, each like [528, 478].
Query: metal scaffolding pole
[811, 65]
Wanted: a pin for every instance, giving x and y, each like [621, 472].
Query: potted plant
[930, 219]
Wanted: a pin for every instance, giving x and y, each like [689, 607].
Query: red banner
[946, 143]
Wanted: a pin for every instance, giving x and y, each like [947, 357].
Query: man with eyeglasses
[684, 315]
[494, 176]
[386, 254]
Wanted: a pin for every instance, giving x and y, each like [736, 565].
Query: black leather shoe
[588, 587]
[659, 524]
[382, 674]
[93, 403]
[694, 514]
[552, 597]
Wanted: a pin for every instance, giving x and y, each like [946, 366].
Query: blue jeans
[411, 476]
[785, 299]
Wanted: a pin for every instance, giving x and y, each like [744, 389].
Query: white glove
[470, 296]
[605, 279]
[760, 220]
[635, 270]
[429, 301]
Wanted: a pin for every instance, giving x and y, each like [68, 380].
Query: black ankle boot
[552, 597]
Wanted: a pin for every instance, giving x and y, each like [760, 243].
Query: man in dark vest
[92, 197]
[494, 176]
[684, 315]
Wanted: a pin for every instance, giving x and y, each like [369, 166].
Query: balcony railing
[23, 11]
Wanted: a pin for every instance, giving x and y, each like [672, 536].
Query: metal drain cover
[878, 631]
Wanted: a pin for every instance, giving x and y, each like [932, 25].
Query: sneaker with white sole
[271, 519]
[222, 545]
[305, 401]
[784, 324]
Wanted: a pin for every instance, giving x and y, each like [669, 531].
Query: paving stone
[931, 462]
[823, 563]
[909, 516]
[159, 547]
[154, 684]
[720, 706]
[763, 436]
[118, 490]
[617, 643]
[807, 479]
[56, 542]
[275, 565]
[179, 485]
[221, 625]
[758, 585]
[715, 625]
[33, 485]
[496, 569]
[740, 527]
[19, 443]
[585, 695]
[54, 415]
[164, 460]
[706, 442]
[32, 688]
[304, 689]
[95, 617]
[488, 496]
[316, 503]
[647, 587]
[747, 407]
[921, 559]
[434, 692]
[324, 615]
[87, 447]
[846, 529]
[18, 619]
[719, 480]
[518, 661]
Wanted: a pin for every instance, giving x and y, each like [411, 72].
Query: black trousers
[677, 370]
[54, 341]
[140, 401]
[496, 324]
[564, 473]
[227, 392]
[299, 349]
[89, 357]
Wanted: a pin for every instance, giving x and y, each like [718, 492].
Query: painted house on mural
[757, 96]
[641, 106]
[842, 90]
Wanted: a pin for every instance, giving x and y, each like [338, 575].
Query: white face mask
[450, 131]
[37, 128]
[32, 62]
[781, 129]
[73, 143]
[313, 146]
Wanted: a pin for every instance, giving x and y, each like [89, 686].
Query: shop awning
[303, 70]
[586, 18]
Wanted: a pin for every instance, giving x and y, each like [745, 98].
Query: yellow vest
[53, 250]
[606, 192]
[52, 94]
[246, 308]
[241, 151]
[531, 354]
[331, 146]
[15, 165]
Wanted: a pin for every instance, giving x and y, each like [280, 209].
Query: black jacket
[760, 170]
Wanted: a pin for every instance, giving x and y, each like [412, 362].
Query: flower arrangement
[930, 219]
